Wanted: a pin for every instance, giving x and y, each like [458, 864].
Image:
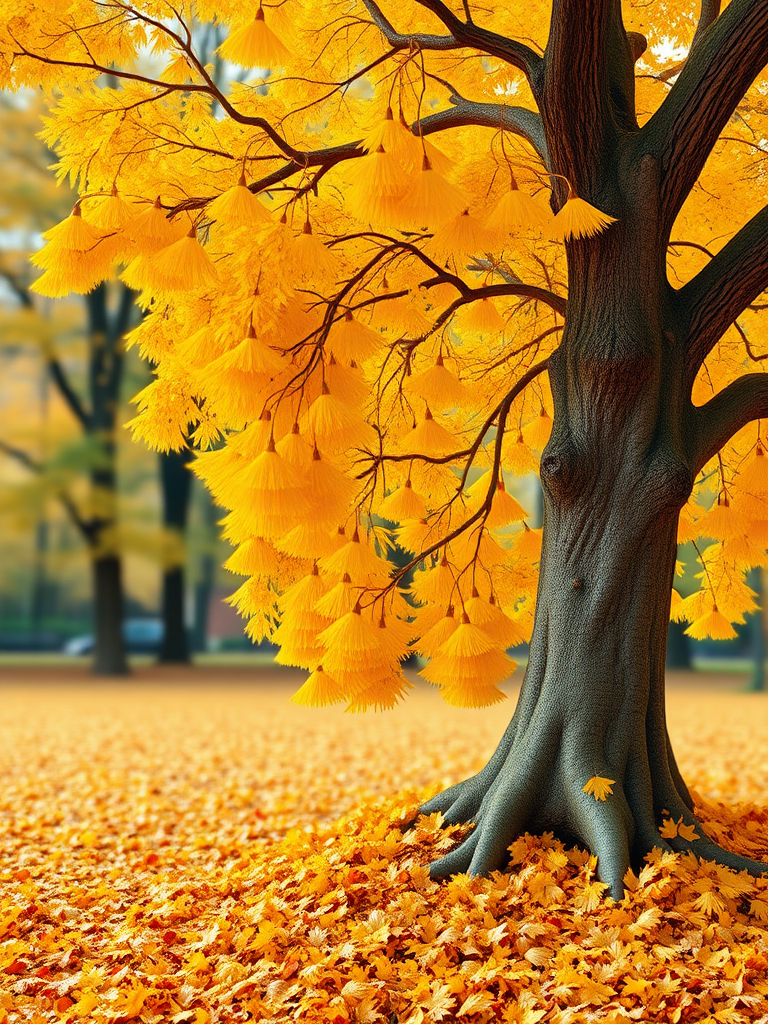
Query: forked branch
[408, 40]
[68, 393]
[708, 14]
[724, 288]
[28, 462]
[207, 86]
[498, 415]
[461, 34]
[715, 78]
[518, 120]
[744, 400]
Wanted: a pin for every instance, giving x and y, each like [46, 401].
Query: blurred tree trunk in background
[37, 604]
[109, 655]
[74, 441]
[106, 329]
[206, 578]
[38, 601]
[678, 647]
[757, 627]
[96, 415]
[176, 484]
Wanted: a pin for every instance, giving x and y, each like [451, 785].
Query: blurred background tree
[72, 481]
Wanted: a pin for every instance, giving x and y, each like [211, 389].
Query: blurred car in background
[142, 636]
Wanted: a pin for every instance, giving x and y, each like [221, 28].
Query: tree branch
[322, 158]
[462, 34]
[20, 456]
[67, 392]
[20, 290]
[724, 288]
[519, 120]
[406, 41]
[501, 411]
[468, 294]
[717, 74]
[745, 340]
[208, 86]
[492, 291]
[708, 13]
[744, 400]
[523, 122]
[588, 88]
[88, 529]
[528, 291]
[26, 460]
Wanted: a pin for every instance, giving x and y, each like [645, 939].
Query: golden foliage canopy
[344, 240]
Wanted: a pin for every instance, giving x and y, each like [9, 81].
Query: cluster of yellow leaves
[302, 404]
[736, 524]
[163, 860]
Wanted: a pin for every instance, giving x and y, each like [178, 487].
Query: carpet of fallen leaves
[196, 849]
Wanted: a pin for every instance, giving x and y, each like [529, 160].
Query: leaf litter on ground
[202, 853]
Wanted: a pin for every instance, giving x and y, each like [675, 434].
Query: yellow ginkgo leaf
[636, 987]
[687, 832]
[598, 787]
[668, 829]
[709, 902]
[578, 219]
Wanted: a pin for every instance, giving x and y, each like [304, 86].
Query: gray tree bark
[626, 446]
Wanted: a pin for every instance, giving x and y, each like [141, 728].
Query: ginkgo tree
[413, 249]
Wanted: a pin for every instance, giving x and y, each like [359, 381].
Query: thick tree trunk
[176, 481]
[615, 474]
[109, 657]
[592, 700]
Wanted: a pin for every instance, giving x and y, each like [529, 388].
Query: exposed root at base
[504, 802]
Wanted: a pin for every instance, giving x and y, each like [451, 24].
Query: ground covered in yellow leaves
[193, 848]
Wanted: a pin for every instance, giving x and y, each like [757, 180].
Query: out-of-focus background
[109, 553]
[94, 529]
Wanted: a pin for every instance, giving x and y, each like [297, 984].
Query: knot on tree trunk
[670, 482]
[558, 470]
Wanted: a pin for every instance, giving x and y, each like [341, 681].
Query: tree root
[534, 782]
[705, 848]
